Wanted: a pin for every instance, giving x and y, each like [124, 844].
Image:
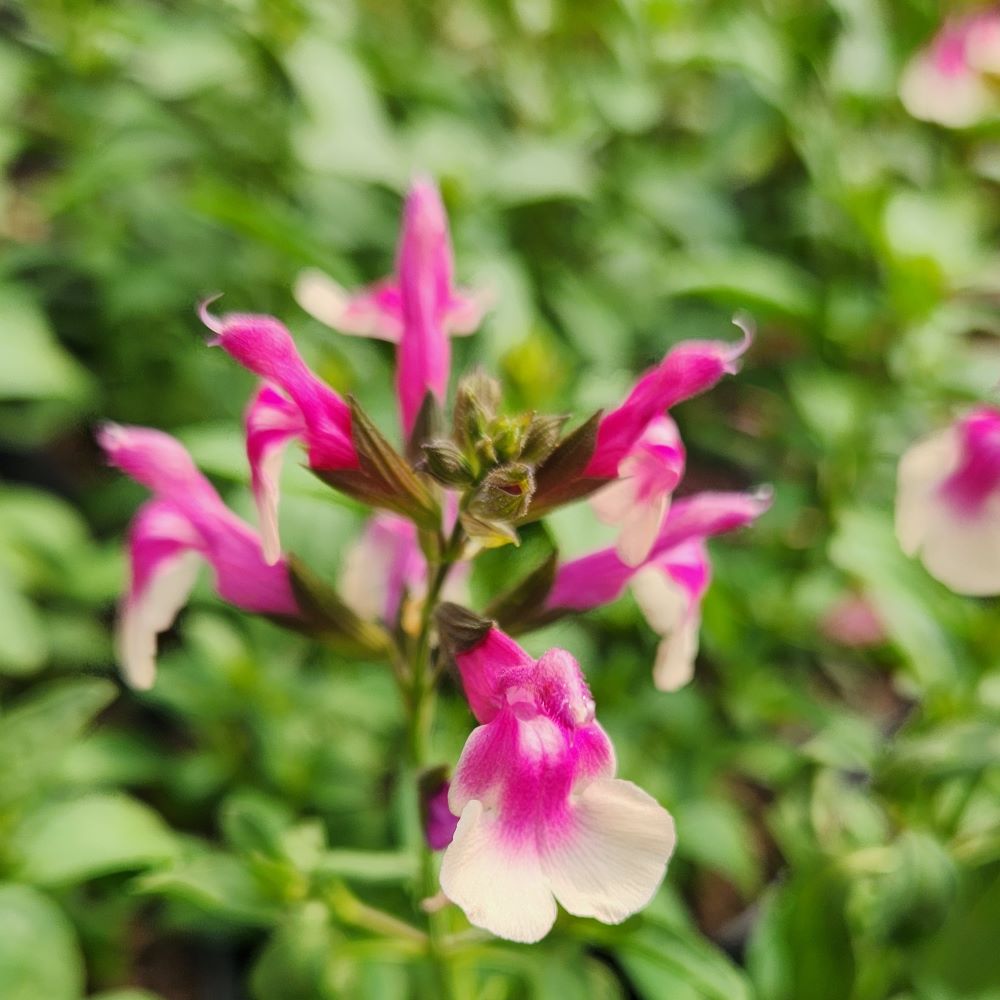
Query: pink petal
[384, 564]
[264, 346]
[187, 517]
[600, 577]
[424, 266]
[948, 503]
[163, 558]
[271, 421]
[688, 369]
[376, 311]
[487, 668]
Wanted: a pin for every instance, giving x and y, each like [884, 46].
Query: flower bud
[476, 402]
[446, 463]
[505, 494]
[542, 437]
[507, 435]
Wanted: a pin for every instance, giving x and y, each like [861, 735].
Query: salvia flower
[949, 82]
[948, 503]
[668, 584]
[186, 523]
[418, 309]
[541, 816]
[639, 498]
[292, 403]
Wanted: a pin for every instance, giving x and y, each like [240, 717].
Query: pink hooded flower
[184, 524]
[292, 403]
[688, 369]
[542, 817]
[639, 498]
[418, 309]
[948, 503]
[669, 583]
[948, 82]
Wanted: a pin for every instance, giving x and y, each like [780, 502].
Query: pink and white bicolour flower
[418, 309]
[690, 368]
[948, 503]
[541, 816]
[669, 583]
[293, 402]
[949, 81]
[186, 523]
[639, 498]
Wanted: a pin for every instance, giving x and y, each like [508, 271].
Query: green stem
[421, 698]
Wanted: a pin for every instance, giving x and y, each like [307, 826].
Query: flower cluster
[534, 813]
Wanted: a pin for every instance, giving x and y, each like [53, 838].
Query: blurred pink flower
[853, 622]
[292, 403]
[418, 309]
[186, 523]
[669, 583]
[948, 82]
[948, 503]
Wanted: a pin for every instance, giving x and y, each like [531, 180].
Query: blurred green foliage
[624, 174]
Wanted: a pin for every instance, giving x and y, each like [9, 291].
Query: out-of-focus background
[623, 175]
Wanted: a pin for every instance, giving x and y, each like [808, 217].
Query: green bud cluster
[491, 457]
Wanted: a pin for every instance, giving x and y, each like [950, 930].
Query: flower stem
[420, 702]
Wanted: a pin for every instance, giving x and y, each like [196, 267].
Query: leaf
[217, 883]
[297, 962]
[674, 964]
[918, 892]
[23, 645]
[949, 749]
[32, 364]
[427, 426]
[36, 734]
[325, 616]
[63, 843]
[715, 834]
[535, 563]
[39, 956]
[800, 945]
[368, 866]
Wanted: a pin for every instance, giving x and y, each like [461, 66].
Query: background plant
[626, 175]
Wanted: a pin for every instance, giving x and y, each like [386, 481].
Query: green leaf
[324, 615]
[36, 734]
[217, 883]
[917, 893]
[667, 963]
[950, 748]
[297, 963]
[800, 945]
[714, 833]
[368, 866]
[32, 364]
[23, 646]
[39, 956]
[63, 843]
